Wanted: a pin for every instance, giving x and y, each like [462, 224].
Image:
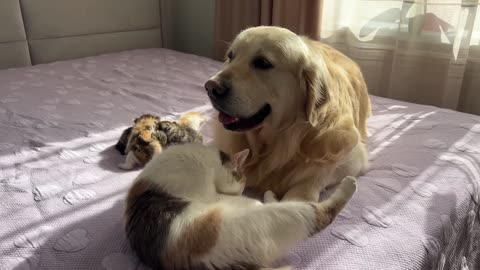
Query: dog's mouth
[243, 124]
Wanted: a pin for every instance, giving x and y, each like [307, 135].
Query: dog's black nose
[216, 89]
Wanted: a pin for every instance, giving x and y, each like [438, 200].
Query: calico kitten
[121, 145]
[185, 130]
[185, 209]
[143, 142]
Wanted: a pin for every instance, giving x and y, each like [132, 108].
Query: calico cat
[185, 210]
[153, 135]
[143, 142]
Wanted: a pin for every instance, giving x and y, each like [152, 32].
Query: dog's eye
[230, 56]
[261, 63]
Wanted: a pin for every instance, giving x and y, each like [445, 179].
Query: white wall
[188, 25]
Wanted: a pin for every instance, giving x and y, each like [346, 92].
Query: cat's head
[234, 162]
[167, 126]
[146, 118]
[233, 172]
[145, 126]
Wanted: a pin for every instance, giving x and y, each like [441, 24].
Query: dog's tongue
[226, 119]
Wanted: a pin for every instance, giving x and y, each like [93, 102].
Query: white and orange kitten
[185, 209]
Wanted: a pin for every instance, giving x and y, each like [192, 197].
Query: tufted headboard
[41, 31]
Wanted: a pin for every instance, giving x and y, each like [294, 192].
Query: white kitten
[185, 209]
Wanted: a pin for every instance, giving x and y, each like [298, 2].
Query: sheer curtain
[422, 51]
[419, 51]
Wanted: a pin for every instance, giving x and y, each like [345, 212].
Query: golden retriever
[300, 106]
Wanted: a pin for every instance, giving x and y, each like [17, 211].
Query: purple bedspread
[62, 196]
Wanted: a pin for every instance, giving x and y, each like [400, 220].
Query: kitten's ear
[238, 159]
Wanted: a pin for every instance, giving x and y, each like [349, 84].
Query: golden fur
[316, 132]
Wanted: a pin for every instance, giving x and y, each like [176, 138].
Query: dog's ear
[316, 94]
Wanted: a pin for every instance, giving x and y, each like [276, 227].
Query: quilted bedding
[62, 195]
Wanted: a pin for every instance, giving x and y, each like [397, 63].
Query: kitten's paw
[125, 166]
[269, 197]
[348, 186]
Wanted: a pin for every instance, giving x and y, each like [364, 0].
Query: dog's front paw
[269, 197]
[348, 186]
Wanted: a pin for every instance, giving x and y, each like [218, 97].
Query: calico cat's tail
[193, 120]
[328, 210]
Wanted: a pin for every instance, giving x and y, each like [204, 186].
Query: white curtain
[423, 51]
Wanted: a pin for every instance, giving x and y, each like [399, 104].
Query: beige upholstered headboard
[41, 31]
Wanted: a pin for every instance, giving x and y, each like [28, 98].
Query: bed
[62, 194]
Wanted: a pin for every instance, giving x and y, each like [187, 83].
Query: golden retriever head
[270, 79]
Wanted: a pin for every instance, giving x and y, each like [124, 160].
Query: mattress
[62, 195]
